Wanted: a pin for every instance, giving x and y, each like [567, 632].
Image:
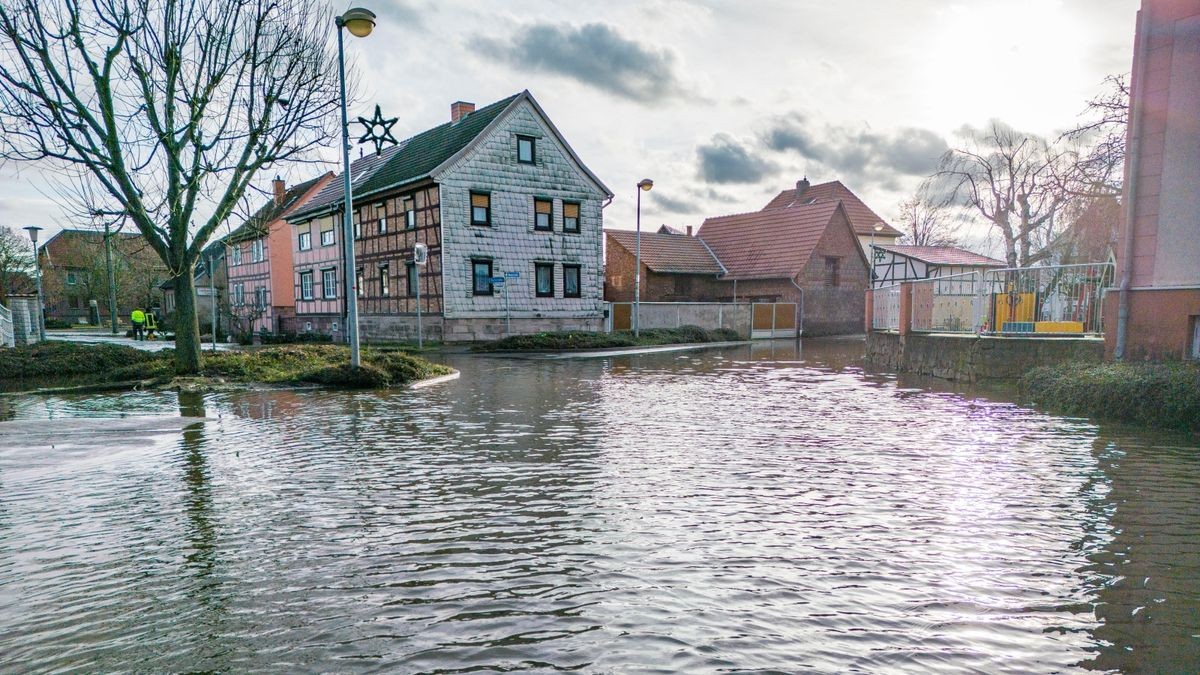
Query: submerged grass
[289, 364]
[575, 340]
[1165, 395]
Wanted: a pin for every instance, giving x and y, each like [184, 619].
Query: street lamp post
[644, 185]
[359, 22]
[37, 273]
[878, 228]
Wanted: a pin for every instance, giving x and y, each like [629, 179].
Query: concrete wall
[710, 316]
[970, 358]
[26, 328]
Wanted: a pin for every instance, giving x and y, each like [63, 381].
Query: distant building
[862, 218]
[896, 263]
[75, 274]
[493, 193]
[259, 260]
[1158, 252]
[802, 253]
[211, 280]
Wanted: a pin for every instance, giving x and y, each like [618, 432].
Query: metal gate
[622, 316]
[773, 320]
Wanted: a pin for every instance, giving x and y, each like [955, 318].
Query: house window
[481, 274]
[235, 255]
[544, 276]
[1195, 337]
[239, 295]
[384, 281]
[570, 217]
[329, 283]
[543, 215]
[410, 214]
[256, 251]
[260, 297]
[571, 279]
[481, 208]
[526, 150]
[358, 228]
[305, 242]
[410, 274]
[831, 272]
[72, 279]
[381, 225]
[359, 290]
[306, 285]
[327, 237]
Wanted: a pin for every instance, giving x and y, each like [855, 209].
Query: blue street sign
[512, 275]
[497, 280]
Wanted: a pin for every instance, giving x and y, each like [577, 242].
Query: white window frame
[326, 275]
[257, 251]
[260, 297]
[306, 290]
[331, 239]
[235, 255]
[304, 241]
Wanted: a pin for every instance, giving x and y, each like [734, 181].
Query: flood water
[747, 509]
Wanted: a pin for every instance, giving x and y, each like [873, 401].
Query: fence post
[869, 321]
[905, 325]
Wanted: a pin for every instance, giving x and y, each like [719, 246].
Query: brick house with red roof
[862, 218]
[804, 253]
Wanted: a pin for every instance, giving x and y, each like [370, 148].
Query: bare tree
[926, 221]
[1015, 181]
[16, 261]
[171, 107]
[1099, 158]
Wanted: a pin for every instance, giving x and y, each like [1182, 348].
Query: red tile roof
[768, 244]
[943, 255]
[862, 218]
[669, 253]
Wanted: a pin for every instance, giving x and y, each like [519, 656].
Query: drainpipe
[1131, 172]
[800, 319]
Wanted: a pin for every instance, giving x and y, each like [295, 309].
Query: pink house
[259, 261]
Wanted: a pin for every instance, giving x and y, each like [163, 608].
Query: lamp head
[645, 184]
[879, 227]
[33, 230]
[358, 21]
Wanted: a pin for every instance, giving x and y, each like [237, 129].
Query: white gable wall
[510, 241]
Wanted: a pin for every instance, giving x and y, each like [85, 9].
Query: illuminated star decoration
[379, 131]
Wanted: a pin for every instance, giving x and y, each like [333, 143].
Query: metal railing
[885, 310]
[7, 339]
[1050, 300]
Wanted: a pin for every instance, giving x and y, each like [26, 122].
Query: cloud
[403, 14]
[666, 204]
[857, 153]
[594, 54]
[725, 160]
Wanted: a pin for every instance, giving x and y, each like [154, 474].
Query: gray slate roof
[413, 159]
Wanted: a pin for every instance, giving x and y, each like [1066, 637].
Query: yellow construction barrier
[1058, 327]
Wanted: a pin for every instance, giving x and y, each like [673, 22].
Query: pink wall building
[1158, 256]
[258, 257]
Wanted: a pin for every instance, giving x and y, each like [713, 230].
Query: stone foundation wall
[26, 328]
[970, 358]
[485, 329]
[402, 328]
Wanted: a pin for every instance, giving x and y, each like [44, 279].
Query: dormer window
[526, 149]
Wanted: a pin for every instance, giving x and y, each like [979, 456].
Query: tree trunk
[187, 328]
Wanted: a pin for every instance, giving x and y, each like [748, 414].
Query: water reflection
[766, 507]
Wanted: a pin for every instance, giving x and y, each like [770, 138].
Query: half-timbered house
[493, 193]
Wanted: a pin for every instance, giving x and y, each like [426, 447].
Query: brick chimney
[280, 188]
[689, 230]
[801, 186]
[459, 109]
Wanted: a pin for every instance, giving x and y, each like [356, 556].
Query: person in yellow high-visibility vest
[138, 318]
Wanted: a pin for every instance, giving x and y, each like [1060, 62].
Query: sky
[725, 103]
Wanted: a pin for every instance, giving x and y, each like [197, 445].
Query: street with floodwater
[757, 508]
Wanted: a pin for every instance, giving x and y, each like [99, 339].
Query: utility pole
[112, 279]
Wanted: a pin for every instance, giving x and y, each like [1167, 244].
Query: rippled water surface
[727, 510]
